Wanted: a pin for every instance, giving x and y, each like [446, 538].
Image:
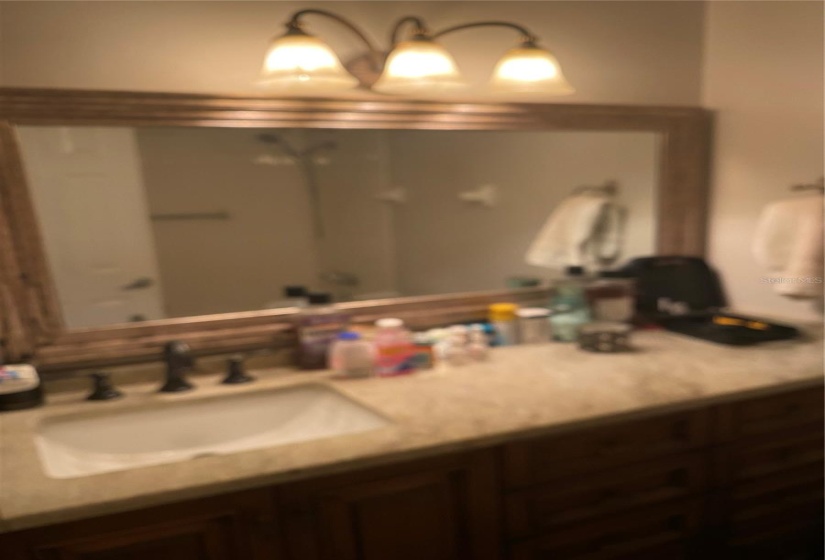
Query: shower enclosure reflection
[154, 222]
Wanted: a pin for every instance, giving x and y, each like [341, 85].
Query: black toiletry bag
[685, 295]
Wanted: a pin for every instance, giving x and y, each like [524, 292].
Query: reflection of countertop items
[521, 389]
[583, 230]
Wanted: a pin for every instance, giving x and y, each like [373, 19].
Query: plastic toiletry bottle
[478, 343]
[393, 347]
[456, 350]
[569, 305]
[352, 356]
[318, 325]
[503, 318]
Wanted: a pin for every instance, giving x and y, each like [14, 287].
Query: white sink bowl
[81, 445]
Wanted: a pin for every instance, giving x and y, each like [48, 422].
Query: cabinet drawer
[766, 458]
[769, 488]
[534, 510]
[672, 551]
[785, 502]
[629, 535]
[539, 460]
[800, 514]
[234, 526]
[781, 543]
[778, 412]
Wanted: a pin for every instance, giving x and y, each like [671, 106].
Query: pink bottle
[393, 348]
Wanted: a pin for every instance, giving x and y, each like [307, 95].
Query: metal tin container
[605, 337]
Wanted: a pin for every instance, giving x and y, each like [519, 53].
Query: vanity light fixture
[299, 62]
[417, 64]
[302, 63]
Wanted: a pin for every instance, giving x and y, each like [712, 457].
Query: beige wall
[434, 243]
[447, 245]
[358, 237]
[219, 266]
[269, 241]
[764, 77]
[613, 52]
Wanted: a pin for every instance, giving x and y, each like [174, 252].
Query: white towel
[584, 230]
[788, 243]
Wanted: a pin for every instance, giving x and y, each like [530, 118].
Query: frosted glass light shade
[419, 66]
[300, 62]
[529, 69]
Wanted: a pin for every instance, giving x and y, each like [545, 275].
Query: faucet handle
[178, 357]
[103, 389]
[178, 354]
[235, 372]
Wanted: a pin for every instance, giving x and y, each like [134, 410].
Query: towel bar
[818, 185]
[609, 188]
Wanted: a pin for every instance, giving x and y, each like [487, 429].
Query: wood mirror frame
[31, 325]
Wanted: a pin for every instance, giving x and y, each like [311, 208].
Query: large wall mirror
[147, 223]
[136, 218]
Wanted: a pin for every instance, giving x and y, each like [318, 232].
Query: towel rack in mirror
[818, 185]
[610, 188]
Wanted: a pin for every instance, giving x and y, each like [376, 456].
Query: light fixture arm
[295, 23]
[527, 38]
[420, 29]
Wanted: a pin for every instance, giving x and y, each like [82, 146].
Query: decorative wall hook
[485, 195]
[396, 195]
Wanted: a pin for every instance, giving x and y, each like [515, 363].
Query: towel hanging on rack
[585, 229]
[788, 243]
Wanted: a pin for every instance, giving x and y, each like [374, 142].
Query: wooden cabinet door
[233, 527]
[192, 539]
[444, 509]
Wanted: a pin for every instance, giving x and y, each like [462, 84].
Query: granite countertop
[519, 391]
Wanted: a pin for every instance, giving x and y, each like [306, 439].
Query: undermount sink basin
[73, 446]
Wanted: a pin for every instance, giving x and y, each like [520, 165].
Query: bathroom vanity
[684, 449]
